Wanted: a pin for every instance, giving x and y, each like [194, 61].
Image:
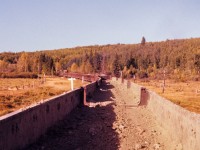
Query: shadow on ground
[85, 128]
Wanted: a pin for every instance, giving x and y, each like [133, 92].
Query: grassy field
[19, 93]
[185, 94]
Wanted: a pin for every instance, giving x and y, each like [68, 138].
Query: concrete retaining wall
[23, 127]
[182, 125]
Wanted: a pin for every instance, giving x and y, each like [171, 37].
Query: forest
[179, 59]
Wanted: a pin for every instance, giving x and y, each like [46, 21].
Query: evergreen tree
[143, 41]
[97, 62]
[197, 62]
[116, 66]
[132, 62]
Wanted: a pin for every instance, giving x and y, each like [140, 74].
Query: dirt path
[112, 122]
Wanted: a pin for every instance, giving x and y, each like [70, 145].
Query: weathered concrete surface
[182, 125]
[23, 127]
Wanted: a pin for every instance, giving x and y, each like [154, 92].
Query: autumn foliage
[180, 59]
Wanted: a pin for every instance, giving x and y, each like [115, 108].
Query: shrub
[18, 75]
[142, 74]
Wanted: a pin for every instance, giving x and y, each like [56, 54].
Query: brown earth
[113, 121]
[19, 93]
[185, 94]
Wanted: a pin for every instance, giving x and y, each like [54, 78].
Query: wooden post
[134, 78]
[84, 97]
[163, 89]
[82, 79]
[44, 77]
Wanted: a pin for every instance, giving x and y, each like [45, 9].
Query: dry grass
[185, 94]
[19, 93]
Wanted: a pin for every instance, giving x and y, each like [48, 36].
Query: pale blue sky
[28, 25]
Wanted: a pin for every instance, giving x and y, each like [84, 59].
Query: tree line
[179, 58]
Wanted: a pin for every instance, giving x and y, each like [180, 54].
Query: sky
[30, 25]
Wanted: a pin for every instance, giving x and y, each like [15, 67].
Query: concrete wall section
[90, 88]
[23, 127]
[182, 125]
